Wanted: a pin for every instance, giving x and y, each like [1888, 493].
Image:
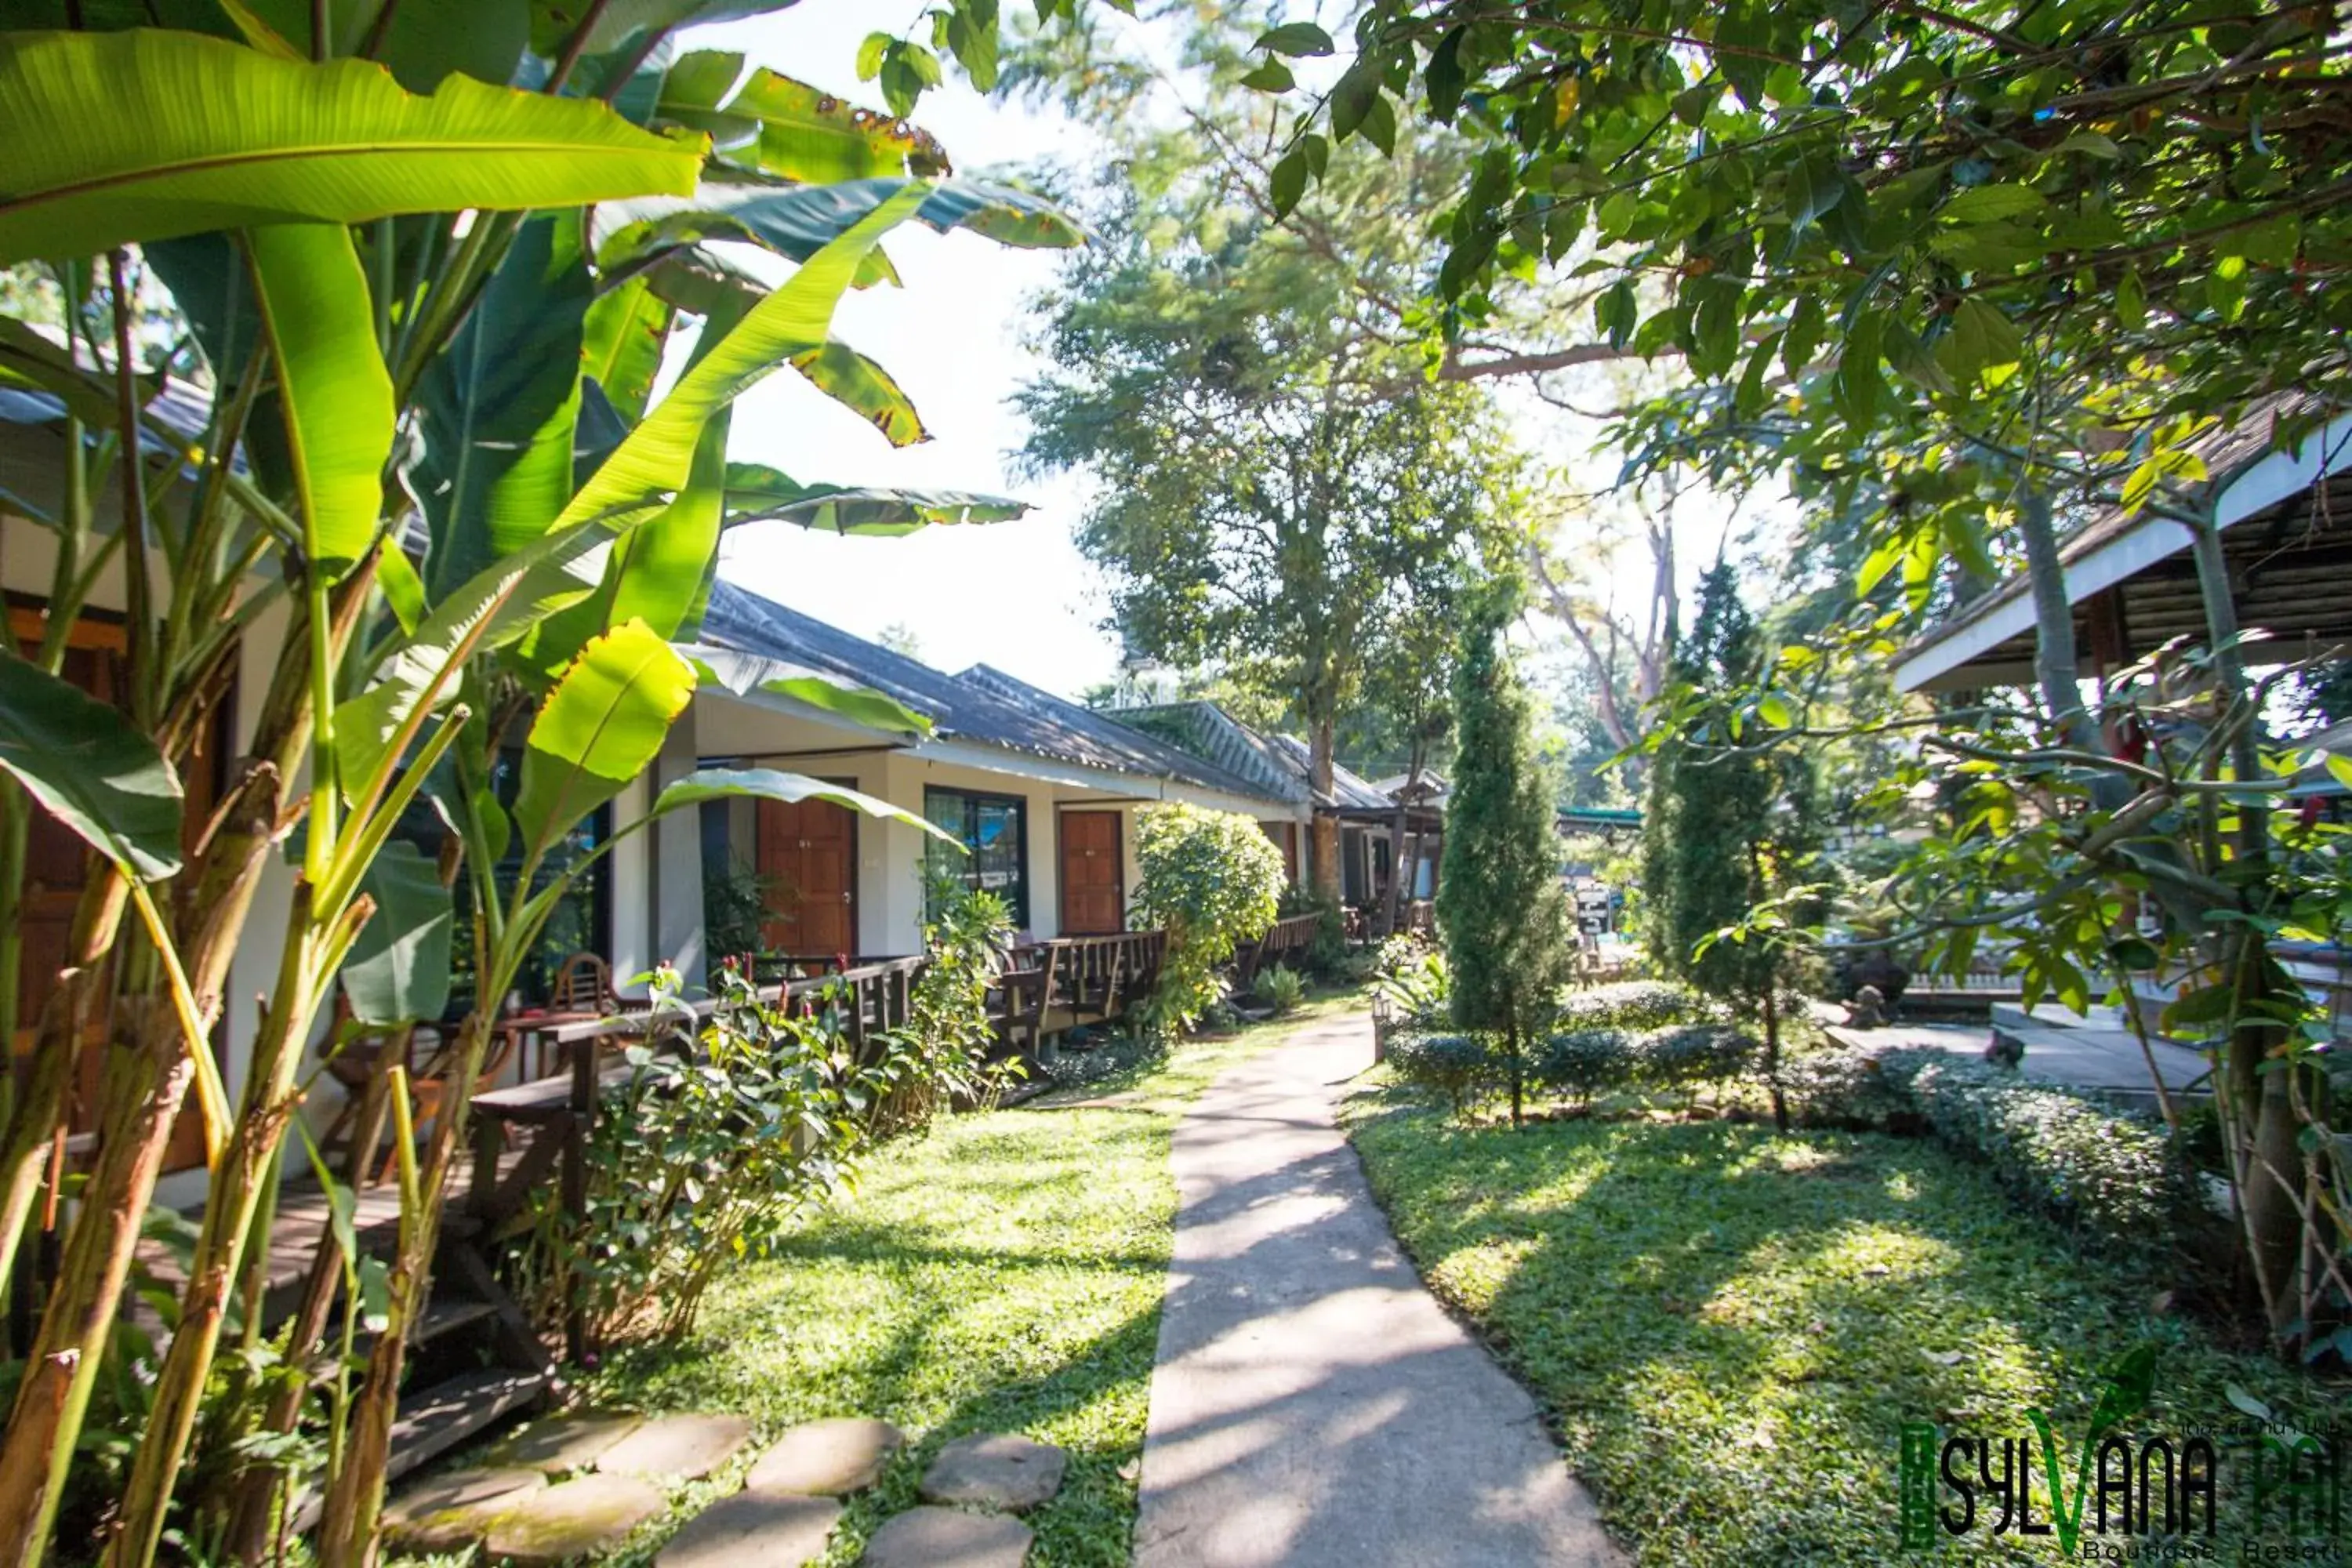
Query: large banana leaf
[655, 457]
[333, 391]
[758, 493]
[866, 389]
[625, 333]
[399, 969]
[768, 784]
[498, 407]
[115, 137]
[554, 22]
[744, 673]
[424, 40]
[601, 727]
[89, 769]
[658, 574]
[805, 133]
[490, 610]
[795, 221]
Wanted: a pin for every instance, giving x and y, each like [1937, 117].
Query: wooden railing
[1295, 934]
[1050, 986]
[543, 1127]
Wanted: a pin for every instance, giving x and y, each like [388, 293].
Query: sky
[1014, 594]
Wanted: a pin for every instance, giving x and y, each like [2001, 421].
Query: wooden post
[577, 1129]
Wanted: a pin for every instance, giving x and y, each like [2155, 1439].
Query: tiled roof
[982, 705]
[1281, 762]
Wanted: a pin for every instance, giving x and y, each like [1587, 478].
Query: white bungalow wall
[891, 854]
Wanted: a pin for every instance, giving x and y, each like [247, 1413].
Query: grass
[1002, 1273]
[1728, 1327]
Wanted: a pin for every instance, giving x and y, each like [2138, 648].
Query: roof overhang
[1934, 660]
[1125, 787]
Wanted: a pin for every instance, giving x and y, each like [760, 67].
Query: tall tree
[1730, 828]
[1265, 493]
[1500, 902]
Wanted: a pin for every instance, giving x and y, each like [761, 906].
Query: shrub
[939, 1056]
[1281, 988]
[2103, 1171]
[1695, 1053]
[1461, 1067]
[1633, 1004]
[1214, 880]
[1398, 954]
[1584, 1062]
[1842, 1086]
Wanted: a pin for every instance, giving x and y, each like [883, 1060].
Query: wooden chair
[585, 984]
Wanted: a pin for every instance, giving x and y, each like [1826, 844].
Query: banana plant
[355, 333]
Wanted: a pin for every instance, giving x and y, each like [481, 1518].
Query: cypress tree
[1727, 827]
[1499, 897]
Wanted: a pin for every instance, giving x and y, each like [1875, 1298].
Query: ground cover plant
[1002, 1273]
[1727, 1326]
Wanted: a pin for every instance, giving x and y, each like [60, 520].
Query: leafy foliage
[2110, 1176]
[1462, 1069]
[1499, 899]
[1213, 880]
[1713, 1309]
[1281, 988]
[1730, 828]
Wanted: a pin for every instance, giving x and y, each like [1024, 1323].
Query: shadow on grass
[1729, 1327]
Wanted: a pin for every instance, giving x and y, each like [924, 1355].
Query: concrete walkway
[1312, 1404]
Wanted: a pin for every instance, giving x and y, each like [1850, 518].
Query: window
[994, 829]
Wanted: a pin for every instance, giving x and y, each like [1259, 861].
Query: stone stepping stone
[995, 1470]
[563, 1443]
[583, 1518]
[452, 1511]
[827, 1458]
[754, 1529]
[948, 1538]
[676, 1447]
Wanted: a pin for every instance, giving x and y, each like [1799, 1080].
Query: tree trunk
[146, 1084]
[347, 1527]
[1328, 884]
[1518, 1074]
[1399, 826]
[268, 1105]
[1772, 1058]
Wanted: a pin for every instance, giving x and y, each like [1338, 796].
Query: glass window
[994, 829]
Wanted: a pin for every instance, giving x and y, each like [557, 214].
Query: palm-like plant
[427, 328]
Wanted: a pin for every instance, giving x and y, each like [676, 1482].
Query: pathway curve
[1312, 1404]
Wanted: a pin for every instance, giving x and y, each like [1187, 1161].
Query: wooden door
[1094, 880]
[56, 865]
[811, 849]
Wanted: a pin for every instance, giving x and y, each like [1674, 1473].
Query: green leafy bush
[2101, 1170]
[1585, 1062]
[1281, 988]
[1843, 1088]
[1463, 1069]
[1695, 1053]
[1632, 1004]
[1399, 953]
[1214, 880]
[720, 1135]
[940, 1057]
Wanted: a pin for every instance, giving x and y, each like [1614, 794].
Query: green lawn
[1727, 1327]
[1003, 1273]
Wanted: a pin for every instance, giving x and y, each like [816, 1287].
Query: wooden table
[534, 1026]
